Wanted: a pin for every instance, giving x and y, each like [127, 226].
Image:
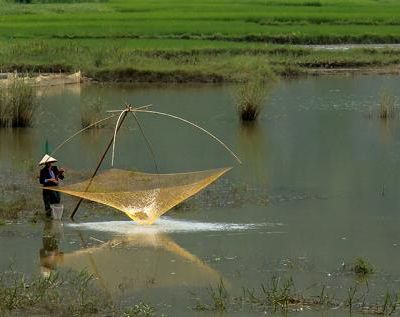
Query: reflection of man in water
[50, 256]
[50, 176]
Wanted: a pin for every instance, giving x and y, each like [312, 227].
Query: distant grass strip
[195, 41]
[280, 22]
[181, 61]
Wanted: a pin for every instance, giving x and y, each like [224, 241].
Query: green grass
[294, 21]
[362, 267]
[211, 40]
[60, 294]
[179, 60]
[18, 104]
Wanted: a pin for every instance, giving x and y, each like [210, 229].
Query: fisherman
[50, 176]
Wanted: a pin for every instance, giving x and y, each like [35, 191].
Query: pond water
[318, 188]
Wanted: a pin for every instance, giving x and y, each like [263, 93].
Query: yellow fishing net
[141, 196]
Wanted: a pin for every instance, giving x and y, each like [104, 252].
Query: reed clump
[11, 210]
[220, 299]
[18, 104]
[250, 98]
[92, 113]
[41, 295]
[362, 267]
[281, 295]
[61, 294]
[387, 106]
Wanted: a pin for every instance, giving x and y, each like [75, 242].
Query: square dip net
[141, 196]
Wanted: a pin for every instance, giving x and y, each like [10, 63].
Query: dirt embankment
[44, 79]
[130, 75]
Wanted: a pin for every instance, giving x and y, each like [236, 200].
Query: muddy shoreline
[177, 77]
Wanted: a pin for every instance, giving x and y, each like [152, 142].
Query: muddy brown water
[318, 187]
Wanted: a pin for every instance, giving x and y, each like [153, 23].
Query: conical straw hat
[47, 159]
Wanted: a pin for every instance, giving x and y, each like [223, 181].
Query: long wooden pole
[98, 165]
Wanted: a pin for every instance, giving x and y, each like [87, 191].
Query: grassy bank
[200, 41]
[180, 60]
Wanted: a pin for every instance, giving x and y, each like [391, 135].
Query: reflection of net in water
[142, 261]
[143, 197]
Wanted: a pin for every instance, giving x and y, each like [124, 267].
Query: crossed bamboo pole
[112, 142]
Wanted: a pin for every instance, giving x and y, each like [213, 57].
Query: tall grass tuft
[250, 97]
[387, 106]
[220, 299]
[92, 113]
[362, 267]
[18, 103]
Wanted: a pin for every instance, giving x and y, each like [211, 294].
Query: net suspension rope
[143, 110]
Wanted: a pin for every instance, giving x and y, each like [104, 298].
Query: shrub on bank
[18, 103]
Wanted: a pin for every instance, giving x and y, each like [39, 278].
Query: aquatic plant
[220, 300]
[44, 294]
[18, 103]
[10, 209]
[279, 293]
[389, 304]
[140, 310]
[62, 294]
[250, 97]
[93, 112]
[387, 106]
[351, 293]
[362, 267]
[220, 297]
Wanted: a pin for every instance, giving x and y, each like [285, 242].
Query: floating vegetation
[362, 267]
[93, 112]
[18, 103]
[250, 98]
[141, 309]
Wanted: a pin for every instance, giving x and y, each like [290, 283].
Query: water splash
[167, 225]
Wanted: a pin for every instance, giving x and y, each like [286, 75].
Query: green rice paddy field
[210, 40]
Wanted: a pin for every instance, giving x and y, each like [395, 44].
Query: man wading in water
[49, 176]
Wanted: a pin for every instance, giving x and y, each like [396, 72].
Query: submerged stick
[119, 124]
